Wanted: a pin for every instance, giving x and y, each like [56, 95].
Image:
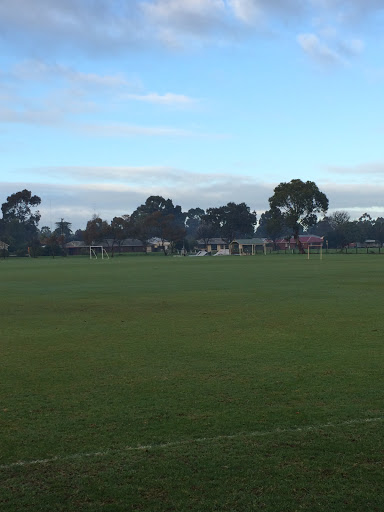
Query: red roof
[304, 239]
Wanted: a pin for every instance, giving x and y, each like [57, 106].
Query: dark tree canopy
[19, 207]
[63, 229]
[193, 220]
[271, 224]
[159, 204]
[96, 231]
[20, 219]
[299, 203]
[232, 221]
[205, 232]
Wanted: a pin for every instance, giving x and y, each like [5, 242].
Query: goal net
[96, 251]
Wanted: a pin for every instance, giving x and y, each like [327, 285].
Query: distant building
[245, 246]
[156, 244]
[76, 247]
[290, 243]
[213, 244]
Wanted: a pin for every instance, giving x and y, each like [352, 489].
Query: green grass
[192, 384]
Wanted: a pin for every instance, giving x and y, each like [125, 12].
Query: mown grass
[255, 383]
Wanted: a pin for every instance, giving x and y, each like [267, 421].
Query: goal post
[93, 251]
[315, 246]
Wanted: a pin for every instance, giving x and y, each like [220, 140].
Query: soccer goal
[318, 249]
[95, 250]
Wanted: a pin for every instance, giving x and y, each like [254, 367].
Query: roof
[128, 242]
[217, 241]
[250, 241]
[157, 241]
[303, 239]
[75, 243]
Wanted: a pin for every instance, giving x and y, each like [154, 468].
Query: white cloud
[127, 130]
[187, 15]
[168, 98]
[352, 47]
[38, 92]
[103, 27]
[361, 170]
[318, 50]
[248, 11]
[39, 70]
[111, 191]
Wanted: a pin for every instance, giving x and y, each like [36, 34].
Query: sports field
[192, 384]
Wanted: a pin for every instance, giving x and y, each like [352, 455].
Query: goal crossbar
[93, 253]
[315, 246]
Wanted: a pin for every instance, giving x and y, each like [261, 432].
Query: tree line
[295, 207]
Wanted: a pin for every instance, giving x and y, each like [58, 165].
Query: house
[248, 246]
[77, 247]
[213, 244]
[371, 243]
[157, 244]
[306, 240]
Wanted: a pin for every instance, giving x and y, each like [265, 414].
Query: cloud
[112, 191]
[355, 197]
[258, 11]
[194, 16]
[92, 25]
[317, 50]
[103, 27]
[41, 93]
[77, 203]
[127, 130]
[168, 99]
[120, 174]
[39, 70]
[350, 11]
[362, 170]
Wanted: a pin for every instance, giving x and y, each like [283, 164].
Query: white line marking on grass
[171, 444]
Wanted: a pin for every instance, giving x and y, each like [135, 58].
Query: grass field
[192, 384]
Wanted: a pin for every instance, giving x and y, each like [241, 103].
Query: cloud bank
[103, 27]
[111, 191]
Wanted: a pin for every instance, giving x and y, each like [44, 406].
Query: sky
[106, 102]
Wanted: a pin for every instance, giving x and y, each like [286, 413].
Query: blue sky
[105, 102]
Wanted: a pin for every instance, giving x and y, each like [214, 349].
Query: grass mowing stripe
[171, 444]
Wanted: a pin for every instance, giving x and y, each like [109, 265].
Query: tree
[121, 228]
[54, 244]
[366, 227]
[379, 230]
[165, 228]
[193, 220]
[271, 225]
[18, 207]
[78, 234]
[63, 229]
[205, 232]
[299, 203]
[158, 217]
[20, 220]
[232, 221]
[338, 218]
[159, 204]
[97, 230]
[142, 229]
[45, 232]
